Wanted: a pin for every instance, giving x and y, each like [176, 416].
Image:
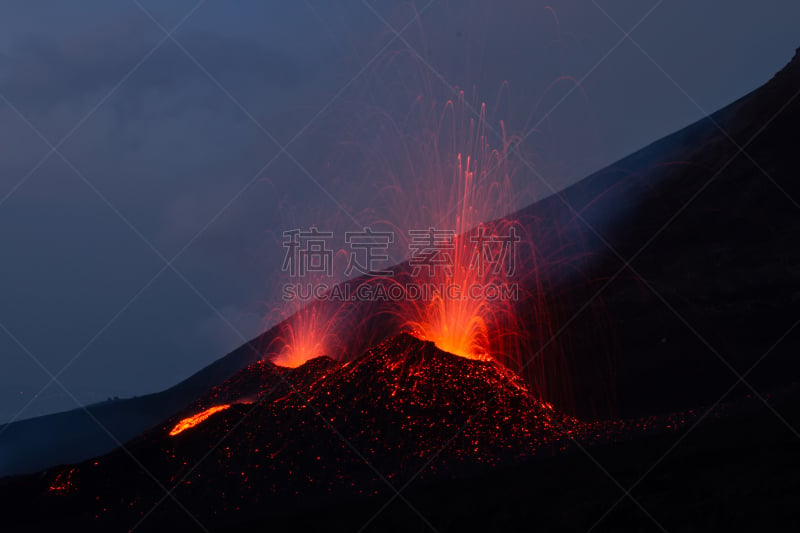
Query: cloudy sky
[150, 151]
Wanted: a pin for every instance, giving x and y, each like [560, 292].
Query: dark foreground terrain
[734, 474]
[729, 470]
[407, 437]
[322, 434]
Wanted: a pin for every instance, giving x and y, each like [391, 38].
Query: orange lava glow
[309, 333]
[456, 327]
[473, 186]
[304, 346]
[192, 421]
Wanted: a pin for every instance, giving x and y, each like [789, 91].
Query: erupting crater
[454, 343]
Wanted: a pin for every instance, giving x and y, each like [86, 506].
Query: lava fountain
[307, 320]
[308, 333]
[460, 281]
[458, 315]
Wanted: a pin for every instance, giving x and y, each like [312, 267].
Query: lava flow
[192, 421]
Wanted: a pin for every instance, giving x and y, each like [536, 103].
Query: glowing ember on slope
[192, 421]
[63, 482]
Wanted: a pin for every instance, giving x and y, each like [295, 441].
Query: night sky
[168, 146]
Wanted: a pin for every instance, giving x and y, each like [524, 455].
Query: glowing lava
[466, 269]
[454, 325]
[309, 333]
[456, 321]
[192, 421]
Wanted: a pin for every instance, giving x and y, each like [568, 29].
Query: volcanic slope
[325, 431]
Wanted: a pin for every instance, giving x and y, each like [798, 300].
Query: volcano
[325, 431]
[702, 241]
[675, 270]
[271, 438]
